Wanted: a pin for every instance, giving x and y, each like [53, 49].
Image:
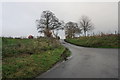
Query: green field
[28, 58]
[104, 41]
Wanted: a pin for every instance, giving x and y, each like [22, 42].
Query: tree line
[49, 23]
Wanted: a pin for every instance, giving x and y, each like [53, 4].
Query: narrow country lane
[86, 63]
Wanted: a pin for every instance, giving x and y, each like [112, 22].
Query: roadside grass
[104, 41]
[15, 47]
[29, 58]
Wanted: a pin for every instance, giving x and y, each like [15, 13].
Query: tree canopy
[48, 22]
[71, 29]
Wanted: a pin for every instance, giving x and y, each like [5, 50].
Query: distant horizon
[19, 18]
[99, 33]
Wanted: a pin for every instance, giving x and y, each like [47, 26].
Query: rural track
[86, 63]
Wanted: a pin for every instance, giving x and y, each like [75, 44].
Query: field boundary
[87, 46]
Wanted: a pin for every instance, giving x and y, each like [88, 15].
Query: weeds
[13, 47]
[28, 58]
[103, 41]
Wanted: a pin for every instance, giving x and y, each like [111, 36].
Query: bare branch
[86, 24]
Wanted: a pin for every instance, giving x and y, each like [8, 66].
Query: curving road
[86, 63]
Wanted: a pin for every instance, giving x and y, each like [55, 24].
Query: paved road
[86, 63]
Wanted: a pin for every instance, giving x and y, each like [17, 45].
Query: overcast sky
[18, 19]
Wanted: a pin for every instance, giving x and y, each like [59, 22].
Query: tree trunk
[54, 34]
[84, 33]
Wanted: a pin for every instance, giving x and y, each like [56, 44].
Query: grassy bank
[28, 58]
[104, 41]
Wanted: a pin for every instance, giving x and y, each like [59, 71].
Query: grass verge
[17, 64]
[105, 41]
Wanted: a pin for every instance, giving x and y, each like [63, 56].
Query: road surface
[86, 63]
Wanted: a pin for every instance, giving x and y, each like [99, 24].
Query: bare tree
[71, 29]
[48, 23]
[86, 24]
